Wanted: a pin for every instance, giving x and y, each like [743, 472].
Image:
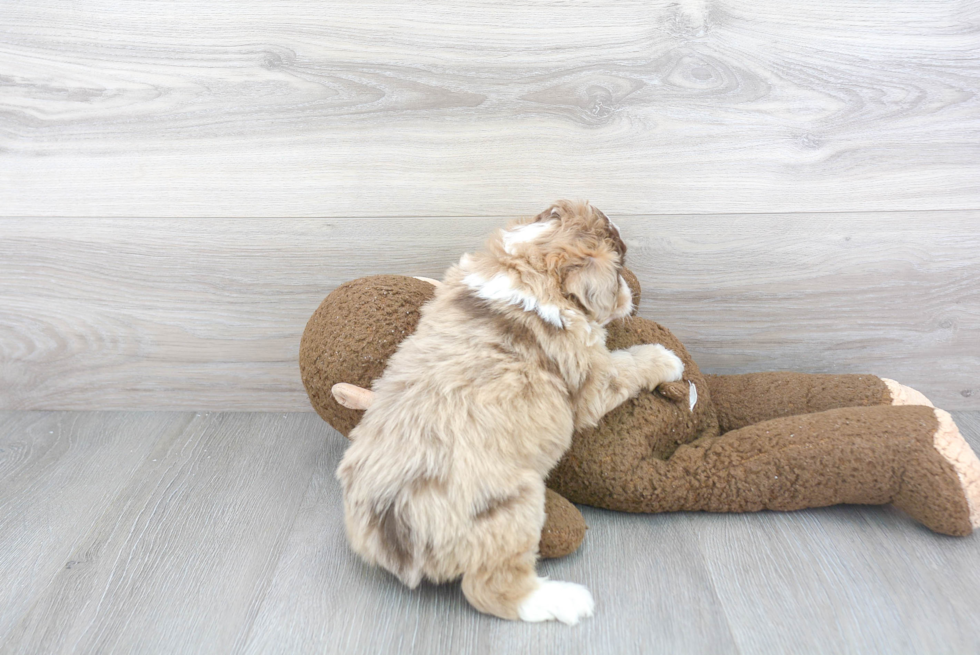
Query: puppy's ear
[594, 285]
[614, 234]
[549, 214]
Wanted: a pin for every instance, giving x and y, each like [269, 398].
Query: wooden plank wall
[181, 183]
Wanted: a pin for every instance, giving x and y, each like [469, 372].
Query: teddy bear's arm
[742, 400]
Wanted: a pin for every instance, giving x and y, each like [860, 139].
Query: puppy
[445, 475]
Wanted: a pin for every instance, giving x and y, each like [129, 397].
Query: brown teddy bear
[719, 443]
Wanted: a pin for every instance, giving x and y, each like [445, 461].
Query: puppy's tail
[381, 532]
[378, 507]
[396, 544]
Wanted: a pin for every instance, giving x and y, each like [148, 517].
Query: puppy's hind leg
[502, 580]
[512, 590]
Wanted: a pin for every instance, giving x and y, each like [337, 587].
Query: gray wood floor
[213, 533]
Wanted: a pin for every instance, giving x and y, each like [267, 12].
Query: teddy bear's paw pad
[902, 395]
[553, 600]
[675, 391]
[954, 448]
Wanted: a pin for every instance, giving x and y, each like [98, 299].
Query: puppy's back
[464, 426]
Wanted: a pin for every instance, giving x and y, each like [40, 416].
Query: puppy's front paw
[553, 600]
[675, 367]
[658, 364]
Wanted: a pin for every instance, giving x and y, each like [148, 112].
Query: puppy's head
[581, 253]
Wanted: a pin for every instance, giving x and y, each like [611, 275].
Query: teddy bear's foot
[941, 487]
[902, 395]
[949, 443]
[564, 528]
[955, 450]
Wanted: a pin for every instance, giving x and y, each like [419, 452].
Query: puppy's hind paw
[553, 600]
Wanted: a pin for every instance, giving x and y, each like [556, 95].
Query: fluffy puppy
[445, 475]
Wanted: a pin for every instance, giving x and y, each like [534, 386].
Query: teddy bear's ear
[352, 396]
[435, 283]
[634, 285]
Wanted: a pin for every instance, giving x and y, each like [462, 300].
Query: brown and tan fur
[445, 476]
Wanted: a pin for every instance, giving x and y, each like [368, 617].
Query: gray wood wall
[182, 183]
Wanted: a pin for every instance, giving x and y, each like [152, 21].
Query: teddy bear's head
[351, 336]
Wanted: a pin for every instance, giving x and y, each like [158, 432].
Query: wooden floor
[169, 532]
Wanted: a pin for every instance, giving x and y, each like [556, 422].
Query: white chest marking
[500, 287]
[523, 234]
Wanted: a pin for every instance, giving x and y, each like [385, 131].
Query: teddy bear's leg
[912, 456]
[742, 400]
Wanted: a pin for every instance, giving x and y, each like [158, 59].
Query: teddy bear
[718, 443]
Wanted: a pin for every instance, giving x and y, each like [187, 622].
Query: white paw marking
[553, 600]
[674, 366]
[693, 398]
